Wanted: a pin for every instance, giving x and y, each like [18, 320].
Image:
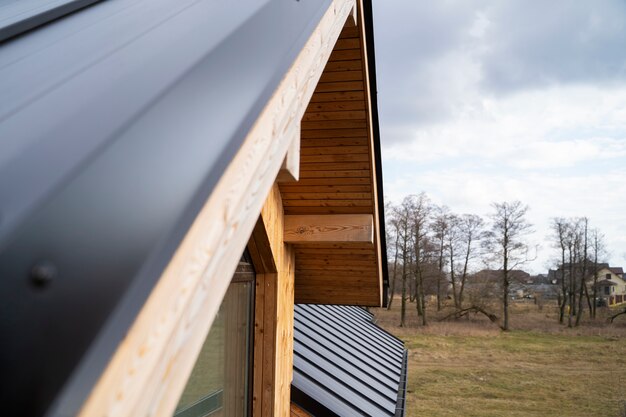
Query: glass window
[219, 384]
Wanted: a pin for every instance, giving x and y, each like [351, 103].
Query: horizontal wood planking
[334, 150]
[328, 203]
[305, 253]
[327, 210]
[316, 139]
[334, 166]
[325, 189]
[307, 294]
[345, 55]
[336, 105]
[349, 32]
[348, 43]
[327, 196]
[336, 177]
[317, 263]
[330, 228]
[328, 182]
[353, 65]
[335, 158]
[311, 116]
[322, 97]
[339, 86]
[337, 76]
[335, 174]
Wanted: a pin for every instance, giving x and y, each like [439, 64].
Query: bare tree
[471, 232]
[393, 234]
[584, 247]
[599, 251]
[419, 209]
[404, 231]
[441, 228]
[559, 227]
[506, 242]
[572, 238]
[452, 246]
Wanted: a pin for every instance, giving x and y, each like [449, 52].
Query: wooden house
[176, 169]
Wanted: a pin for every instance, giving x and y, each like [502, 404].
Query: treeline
[433, 251]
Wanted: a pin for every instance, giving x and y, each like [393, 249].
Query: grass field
[471, 368]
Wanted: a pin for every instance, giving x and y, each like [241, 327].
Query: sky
[491, 101]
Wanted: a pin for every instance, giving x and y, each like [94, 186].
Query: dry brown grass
[470, 367]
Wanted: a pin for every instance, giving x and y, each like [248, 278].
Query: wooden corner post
[274, 305]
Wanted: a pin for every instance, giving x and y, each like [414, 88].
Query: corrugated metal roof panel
[345, 365]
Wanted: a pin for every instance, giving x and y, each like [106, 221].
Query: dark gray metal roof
[345, 365]
[19, 16]
[116, 122]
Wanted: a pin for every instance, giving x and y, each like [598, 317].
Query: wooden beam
[273, 343]
[330, 228]
[149, 370]
[290, 170]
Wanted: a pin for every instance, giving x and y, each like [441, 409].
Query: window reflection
[219, 382]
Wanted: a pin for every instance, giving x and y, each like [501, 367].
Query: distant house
[611, 285]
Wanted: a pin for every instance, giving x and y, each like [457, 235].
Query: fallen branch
[616, 315]
[473, 309]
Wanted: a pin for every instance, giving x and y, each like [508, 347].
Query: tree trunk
[572, 289]
[563, 302]
[422, 300]
[583, 276]
[403, 301]
[454, 293]
[441, 246]
[395, 271]
[464, 276]
[505, 283]
[505, 298]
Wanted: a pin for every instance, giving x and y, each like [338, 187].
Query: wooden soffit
[337, 262]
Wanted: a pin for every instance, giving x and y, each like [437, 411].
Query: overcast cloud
[484, 101]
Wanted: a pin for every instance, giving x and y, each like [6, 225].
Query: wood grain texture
[329, 228]
[149, 369]
[290, 170]
[278, 314]
[338, 176]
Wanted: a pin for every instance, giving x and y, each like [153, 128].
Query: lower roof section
[345, 365]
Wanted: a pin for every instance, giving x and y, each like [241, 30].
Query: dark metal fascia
[371, 64]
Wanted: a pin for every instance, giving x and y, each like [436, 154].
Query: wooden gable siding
[337, 176]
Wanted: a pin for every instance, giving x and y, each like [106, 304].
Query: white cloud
[491, 101]
[558, 127]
